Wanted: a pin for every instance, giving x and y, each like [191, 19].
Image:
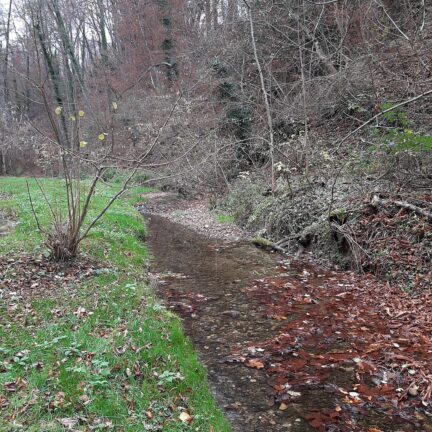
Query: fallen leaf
[413, 390]
[283, 406]
[185, 417]
[279, 317]
[85, 399]
[255, 363]
[68, 423]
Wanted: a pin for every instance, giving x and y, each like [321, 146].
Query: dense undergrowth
[340, 226]
[89, 347]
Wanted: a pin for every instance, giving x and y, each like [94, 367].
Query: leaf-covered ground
[352, 352]
[87, 347]
[398, 244]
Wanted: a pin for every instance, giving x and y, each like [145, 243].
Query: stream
[202, 281]
[222, 292]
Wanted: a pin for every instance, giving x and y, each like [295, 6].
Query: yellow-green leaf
[83, 144]
[114, 105]
[72, 118]
[81, 113]
[101, 137]
[58, 110]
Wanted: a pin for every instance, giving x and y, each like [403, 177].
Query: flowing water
[204, 282]
[209, 284]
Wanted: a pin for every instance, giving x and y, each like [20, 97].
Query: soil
[6, 226]
[289, 346]
[25, 277]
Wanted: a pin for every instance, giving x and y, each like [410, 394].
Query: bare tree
[265, 97]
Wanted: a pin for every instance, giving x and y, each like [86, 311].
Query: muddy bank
[345, 226]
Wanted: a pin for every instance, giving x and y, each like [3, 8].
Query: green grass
[225, 218]
[106, 356]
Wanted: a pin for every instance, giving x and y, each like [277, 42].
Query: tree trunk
[208, 17]
[52, 71]
[215, 14]
[6, 58]
[266, 100]
[67, 44]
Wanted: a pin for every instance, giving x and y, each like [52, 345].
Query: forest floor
[302, 347]
[87, 346]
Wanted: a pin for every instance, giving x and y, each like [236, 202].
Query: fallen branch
[267, 244]
[284, 242]
[377, 201]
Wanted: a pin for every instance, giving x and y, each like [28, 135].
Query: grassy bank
[95, 351]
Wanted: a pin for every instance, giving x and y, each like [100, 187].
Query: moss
[339, 215]
[262, 242]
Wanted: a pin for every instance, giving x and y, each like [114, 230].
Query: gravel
[193, 214]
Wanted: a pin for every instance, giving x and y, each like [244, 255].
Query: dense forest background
[326, 68]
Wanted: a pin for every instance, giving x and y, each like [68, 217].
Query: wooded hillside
[297, 108]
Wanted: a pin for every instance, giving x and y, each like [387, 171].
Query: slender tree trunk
[17, 97]
[83, 51]
[232, 11]
[67, 44]
[104, 50]
[6, 58]
[208, 18]
[265, 97]
[168, 43]
[52, 71]
[305, 117]
[102, 33]
[28, 95]
[215, 14]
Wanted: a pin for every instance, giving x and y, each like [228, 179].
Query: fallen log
[377, 201]
[267, 244]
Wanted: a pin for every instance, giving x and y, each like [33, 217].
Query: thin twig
[33, 210]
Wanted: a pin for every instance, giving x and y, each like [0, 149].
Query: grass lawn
[97, 352]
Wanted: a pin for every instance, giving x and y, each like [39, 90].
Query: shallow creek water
[208, 284]
[202, 281]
